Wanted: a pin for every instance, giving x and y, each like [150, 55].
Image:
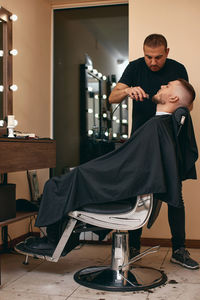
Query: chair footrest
[20, 248]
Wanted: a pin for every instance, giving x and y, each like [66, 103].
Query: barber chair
[123, 274]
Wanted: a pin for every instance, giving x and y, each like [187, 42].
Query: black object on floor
[25, 205]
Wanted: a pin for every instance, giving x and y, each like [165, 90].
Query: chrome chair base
[104, 278]
[123, 274]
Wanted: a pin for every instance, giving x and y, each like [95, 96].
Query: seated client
[154, 160]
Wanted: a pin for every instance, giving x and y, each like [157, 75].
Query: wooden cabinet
[21, 155]
[26, 154]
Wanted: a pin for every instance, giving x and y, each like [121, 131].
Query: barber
[141, 80]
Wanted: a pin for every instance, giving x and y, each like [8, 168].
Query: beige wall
[179, 22]
[31, 72]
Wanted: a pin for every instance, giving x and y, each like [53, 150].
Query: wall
[179, 22]
[31, 72]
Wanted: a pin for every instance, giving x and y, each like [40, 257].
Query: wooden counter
[26, 154]
[21, 154]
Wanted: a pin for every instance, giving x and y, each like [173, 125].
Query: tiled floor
[42, 280]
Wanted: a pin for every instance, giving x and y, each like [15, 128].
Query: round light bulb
[14, 87]
[117, 121]
[114, 118]
[124, 121]
[100, 75]
[104, 115]
[124, 105]
[90, 68]
[1, 88]
[90, 132]
[96, 97]
[125, 136]
[97, 116]
[114, 135]
[95, 71]
[104, 96]
[90, 89]
[13, 18]
[104, 77]
[1, 53]
[13, 52]
[113, 84]
[106, 133]
[90, 110]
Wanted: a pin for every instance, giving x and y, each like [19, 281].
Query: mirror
[94, 115]
[6, 104]
[103, 126]
[90, 110]
[1, 70]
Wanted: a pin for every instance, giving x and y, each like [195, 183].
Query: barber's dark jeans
[176, 218]
[134, 238]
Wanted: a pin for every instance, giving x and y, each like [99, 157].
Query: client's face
[165, 92]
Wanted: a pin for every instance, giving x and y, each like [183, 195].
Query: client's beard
[154, 99]
[157, 101]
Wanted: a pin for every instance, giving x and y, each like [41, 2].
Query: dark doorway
[101, 33]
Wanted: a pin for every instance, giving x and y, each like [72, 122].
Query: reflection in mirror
[119, 114]
[116, 121]
[93, 106]
[124, 117]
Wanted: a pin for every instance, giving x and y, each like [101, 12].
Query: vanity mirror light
[6, 91]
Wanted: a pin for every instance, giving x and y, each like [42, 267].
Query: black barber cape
[153, 160]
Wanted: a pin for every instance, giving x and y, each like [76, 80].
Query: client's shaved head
[175, 94]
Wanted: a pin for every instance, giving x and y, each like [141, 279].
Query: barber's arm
[122, 90]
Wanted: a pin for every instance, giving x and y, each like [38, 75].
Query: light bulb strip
[95, 73]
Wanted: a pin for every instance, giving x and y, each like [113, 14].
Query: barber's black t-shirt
[138, 74]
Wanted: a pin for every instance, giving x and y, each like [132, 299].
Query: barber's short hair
[189, 88]
[155, 40]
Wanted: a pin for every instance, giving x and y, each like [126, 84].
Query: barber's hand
[136, 93]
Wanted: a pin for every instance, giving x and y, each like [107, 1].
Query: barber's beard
[154, 68]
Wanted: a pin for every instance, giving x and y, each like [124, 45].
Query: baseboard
[17, 240]
[167, 242]
[150, 242]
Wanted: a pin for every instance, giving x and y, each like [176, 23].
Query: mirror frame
[7, 66]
